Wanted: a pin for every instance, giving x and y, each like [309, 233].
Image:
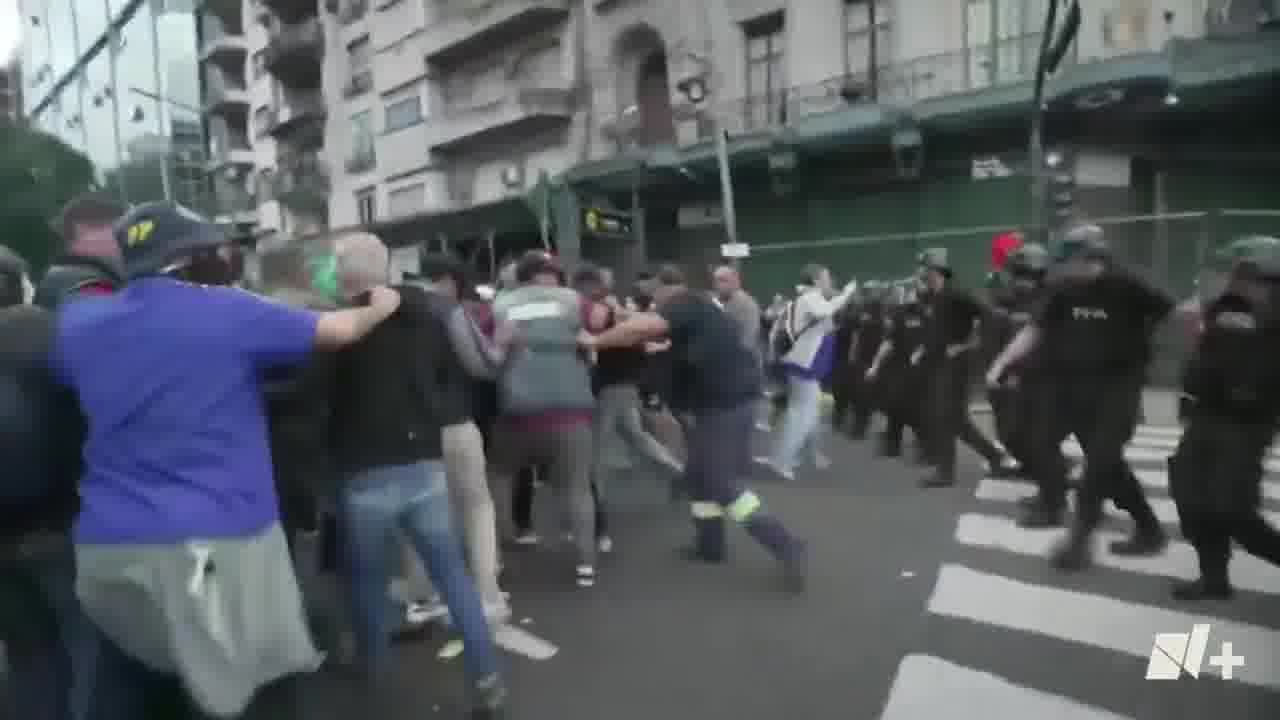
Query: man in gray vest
[545, 393]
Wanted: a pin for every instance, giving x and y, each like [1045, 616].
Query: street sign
[607, 223]
[735, 250]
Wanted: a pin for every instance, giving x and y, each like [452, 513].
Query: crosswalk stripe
[1144, 454]
[1159, 480]
[1095, 620]
[1006, 491]
[998, 532]
[930, 687]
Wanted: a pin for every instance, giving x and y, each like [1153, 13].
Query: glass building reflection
[119, 80]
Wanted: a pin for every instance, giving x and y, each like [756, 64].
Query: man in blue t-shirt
[182, 563]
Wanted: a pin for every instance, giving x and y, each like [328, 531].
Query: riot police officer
[896, 373]
[1013, 402]
[1094, 333]
[867, 321]
[950, 340]
[1232, 392]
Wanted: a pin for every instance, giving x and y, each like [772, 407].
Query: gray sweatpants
[618, 420]
[567, 453]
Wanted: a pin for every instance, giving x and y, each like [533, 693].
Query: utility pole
[1053, 47]
[873, 51]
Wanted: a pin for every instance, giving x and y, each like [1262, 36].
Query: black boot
[1075, 552]
[1147, 539]
[1213, 583]
[709, 543]
[1039, 514]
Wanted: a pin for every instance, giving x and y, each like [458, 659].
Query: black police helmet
[1030, 259]
[155, 236]
[935, 258]
[1086, 242]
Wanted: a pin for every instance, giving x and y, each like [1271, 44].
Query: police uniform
[1095, 339]
[1232, 383]
[948, 347]
[899, 381]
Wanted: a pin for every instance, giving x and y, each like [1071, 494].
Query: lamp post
[695, 90]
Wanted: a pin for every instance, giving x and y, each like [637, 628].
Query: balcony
[227, 11]
[299, 120]
[230, 152]
[295, 54]
[468, 30]
[292, 12]
[352, 11]
[222, 47]
[226, 100]
[523, 112]
[301, 182]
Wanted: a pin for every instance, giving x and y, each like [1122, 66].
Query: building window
[359, 67]
[859, 50]
[403, 113]
[363, 156]
[366, 206]
[407, 200]
[766, 51]
[259, 64]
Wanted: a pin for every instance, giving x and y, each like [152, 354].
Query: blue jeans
[413, 499]
[49, 641]
[801, 423]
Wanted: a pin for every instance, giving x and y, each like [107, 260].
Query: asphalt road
[923, 604]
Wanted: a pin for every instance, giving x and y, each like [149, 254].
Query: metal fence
[1169, 249]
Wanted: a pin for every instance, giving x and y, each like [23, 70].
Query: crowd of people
[173, 440]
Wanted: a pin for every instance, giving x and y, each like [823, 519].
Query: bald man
[739, 305]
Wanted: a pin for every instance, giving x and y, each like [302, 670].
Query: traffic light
[1060, 169]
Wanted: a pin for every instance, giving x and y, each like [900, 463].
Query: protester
[89, 261]
[183, 566]
[43, 631]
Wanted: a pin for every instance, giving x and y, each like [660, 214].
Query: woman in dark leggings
[522, 492]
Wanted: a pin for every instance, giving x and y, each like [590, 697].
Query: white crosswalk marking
[1045, 609]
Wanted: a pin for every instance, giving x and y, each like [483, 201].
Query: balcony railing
[223, 97]
[465, 30]
[295, 54]
[219, 45]
[526, 109]
[902, 84]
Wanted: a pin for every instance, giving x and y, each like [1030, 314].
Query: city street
[922, 605]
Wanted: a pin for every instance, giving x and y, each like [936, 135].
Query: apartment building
[11, 91]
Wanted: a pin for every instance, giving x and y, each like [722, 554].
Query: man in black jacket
[41, 431]
[90, 260]
[391, 395]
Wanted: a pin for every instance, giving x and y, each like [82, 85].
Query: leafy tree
[38, 174]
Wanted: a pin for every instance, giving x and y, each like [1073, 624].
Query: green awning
[510, 214]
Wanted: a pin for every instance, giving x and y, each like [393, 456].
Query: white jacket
[810, 318]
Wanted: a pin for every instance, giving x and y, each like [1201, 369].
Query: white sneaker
[604, 544]
[417, 614]
[526, 538]
[586, 576]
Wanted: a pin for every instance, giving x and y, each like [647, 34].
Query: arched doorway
[641, 61]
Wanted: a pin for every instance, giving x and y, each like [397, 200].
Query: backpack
[784, 338]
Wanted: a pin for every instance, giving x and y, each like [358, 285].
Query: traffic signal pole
[1035, 145]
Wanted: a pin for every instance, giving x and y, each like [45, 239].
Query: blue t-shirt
[168, 374]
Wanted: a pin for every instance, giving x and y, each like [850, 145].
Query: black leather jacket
[72, 274]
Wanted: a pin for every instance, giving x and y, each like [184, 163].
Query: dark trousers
[48, 640]
[1215, 477]
[949, 419]
[902, 387]
[125, 689]
[719, 449]
[523, 491]
[1014, 408]
[854, 399]
[1102, 412]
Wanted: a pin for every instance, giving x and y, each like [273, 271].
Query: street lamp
[696, 92]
